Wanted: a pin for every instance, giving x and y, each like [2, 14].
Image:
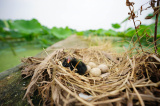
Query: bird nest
[132, 79]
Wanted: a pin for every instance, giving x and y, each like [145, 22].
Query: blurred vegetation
[31, 30]
[144, 30]
[12, 31]
[146, 33]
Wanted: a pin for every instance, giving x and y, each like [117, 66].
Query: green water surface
[9, 60]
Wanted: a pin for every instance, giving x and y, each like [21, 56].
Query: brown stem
[136, 30]
[137, 35]
[155, 31]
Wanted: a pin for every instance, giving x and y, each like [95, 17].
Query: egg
[92, 64]
[88, 68]
[103, 68]
[95, 72]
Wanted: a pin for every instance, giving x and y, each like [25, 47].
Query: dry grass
[133, 79]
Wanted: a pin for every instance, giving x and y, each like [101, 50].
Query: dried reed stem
[109, 101]
[145, 97]
[137, 35]
[73, 94]
[136, 29]
[155, 31]
[65, 85]
[138, 95]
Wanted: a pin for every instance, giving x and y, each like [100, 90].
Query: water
[9, 60]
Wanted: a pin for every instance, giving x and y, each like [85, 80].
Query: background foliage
[33, 31]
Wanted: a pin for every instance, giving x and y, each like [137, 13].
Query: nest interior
[132, 79]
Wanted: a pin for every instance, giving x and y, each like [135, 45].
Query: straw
[127, 80]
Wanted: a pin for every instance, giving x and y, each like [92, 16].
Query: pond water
[9, 60]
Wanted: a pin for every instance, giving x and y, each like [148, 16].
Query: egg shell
[92, 64]
[103, 68]
[95, 72]
[88, 68]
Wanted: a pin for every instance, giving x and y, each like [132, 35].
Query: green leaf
[80, 33]
[143, 29]
[15, 34]
[111, 32]
[46, 31]
[27, 26]
[87, 33]
[61, 33]
[130, 32]
[152, 27]
[100, 32]
[2, 25]
[116, 26]
[121, 34]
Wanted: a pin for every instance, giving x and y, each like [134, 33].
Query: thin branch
[135, 28]
[137, 35]
[155, 31]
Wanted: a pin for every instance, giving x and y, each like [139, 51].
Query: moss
[11, 90]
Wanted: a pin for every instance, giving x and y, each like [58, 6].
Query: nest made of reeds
[132, 79]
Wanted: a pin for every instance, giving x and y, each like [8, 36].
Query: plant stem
[11, 47]
[136, 30]
[155, 31]
[137, 35]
